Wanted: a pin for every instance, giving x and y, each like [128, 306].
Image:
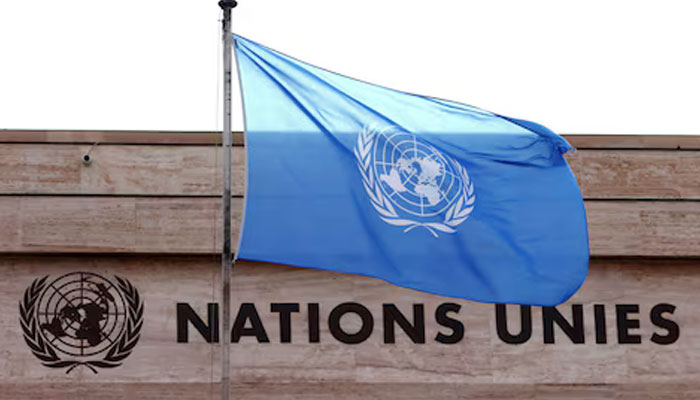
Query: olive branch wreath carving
[42, 350]
[456, 214]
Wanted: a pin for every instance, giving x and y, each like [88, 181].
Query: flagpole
[226, 254]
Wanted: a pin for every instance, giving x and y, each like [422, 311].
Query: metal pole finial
[224, 4]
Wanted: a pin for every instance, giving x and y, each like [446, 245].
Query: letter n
[210, 331]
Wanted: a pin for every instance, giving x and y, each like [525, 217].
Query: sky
[587, 67]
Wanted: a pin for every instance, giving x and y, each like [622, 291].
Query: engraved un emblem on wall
[81, 319]
[411, 183]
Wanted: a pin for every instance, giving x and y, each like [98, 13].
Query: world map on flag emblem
[407, 178]
[415, 176]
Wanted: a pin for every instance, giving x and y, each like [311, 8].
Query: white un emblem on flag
[411, 183]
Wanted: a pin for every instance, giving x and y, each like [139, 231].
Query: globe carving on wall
[414, 175]
[81, 314]
[81, 319]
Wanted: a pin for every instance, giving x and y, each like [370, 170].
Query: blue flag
[421, 192]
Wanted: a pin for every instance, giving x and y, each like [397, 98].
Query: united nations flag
[424, 193]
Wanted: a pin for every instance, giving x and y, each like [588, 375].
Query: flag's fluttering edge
[424, 193]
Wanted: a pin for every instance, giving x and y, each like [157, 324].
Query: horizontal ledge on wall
[349, 389]
[238, 196]
[116, 137]
[588, 141]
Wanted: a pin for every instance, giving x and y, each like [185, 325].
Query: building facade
[109, 258]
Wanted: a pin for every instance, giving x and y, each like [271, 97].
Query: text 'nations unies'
[609, 323]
